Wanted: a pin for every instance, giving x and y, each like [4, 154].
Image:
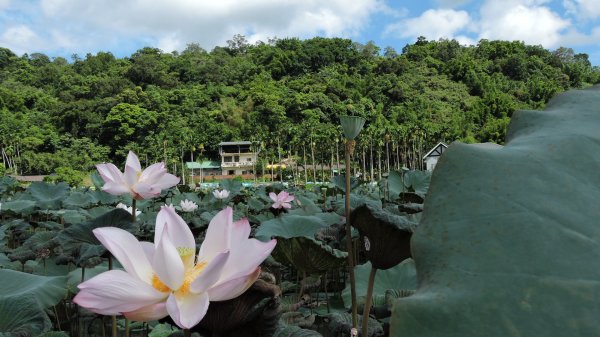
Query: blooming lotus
[128, 209]
[221, 194]
[281, 200]
[188, 206]
[139, 184]
[167, 277]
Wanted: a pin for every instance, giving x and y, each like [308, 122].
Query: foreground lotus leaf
[509, 244]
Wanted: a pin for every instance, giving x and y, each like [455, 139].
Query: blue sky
[66, 27]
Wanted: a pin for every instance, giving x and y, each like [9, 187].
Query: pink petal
[148, 313]
[110, 173]
[187, 311]
[168, 264]
[233, 288]
[116, 188]
[286, 205]
[179, 232]
[128, 250]
[166, 181]
[211, 273]
[245, 256]
[273, 196]
[240, 231]
[132, 169]
[218, 234]
[289, 198]
[116, 291]
[153, 173]
[145, 191]
[148, 248]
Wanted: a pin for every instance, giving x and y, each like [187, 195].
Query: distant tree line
[285, 95]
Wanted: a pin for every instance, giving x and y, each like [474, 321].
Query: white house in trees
[431, 158]
[237, 158]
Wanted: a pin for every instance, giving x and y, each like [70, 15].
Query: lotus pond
[48, 247]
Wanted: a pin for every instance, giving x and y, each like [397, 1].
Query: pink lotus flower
[281, 200]
[140, 184]
[167, 278]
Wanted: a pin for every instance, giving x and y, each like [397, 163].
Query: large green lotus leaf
[7, 184]
[509, 242]
[306, 206]
[47, 290]
[308, 255]
[400, 277]
[80, 242]
[290, 226]
[19, 207]
[78, 199]
[339, 181]
[46, 195]
[22, 316]
[408, 181]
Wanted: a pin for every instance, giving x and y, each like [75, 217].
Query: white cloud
[524, 20]
[585, 9]
[4, 4]
[433, 24]
[20, 38]
[172, 24]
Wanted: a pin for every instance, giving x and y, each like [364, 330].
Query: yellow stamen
[158, 285]
[190, 276]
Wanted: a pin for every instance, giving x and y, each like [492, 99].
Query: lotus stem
[127, 326]
[368, 300]
[133, 204]
[349, 147]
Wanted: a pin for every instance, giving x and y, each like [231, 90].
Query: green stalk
[349, 144]
[133, 204]
[368, 300]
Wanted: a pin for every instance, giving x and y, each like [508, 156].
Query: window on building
[227, 159]
[237, 159]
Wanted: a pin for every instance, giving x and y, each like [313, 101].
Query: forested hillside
[285, 95]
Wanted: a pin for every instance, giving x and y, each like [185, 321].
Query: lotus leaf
[47, 290]
[402, 276]
[386, 236]
[22, 316]
[19, 207]
[339, 181]
[308, 255]
[46, 195]
[290, 226]
[509, 243]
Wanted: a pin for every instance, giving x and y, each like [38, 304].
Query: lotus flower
[140, 184]
[188, 206]
[128, 209]
[167, 278]
[281, 200]
[221, 194]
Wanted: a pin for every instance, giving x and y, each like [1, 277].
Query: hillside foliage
[285, 95]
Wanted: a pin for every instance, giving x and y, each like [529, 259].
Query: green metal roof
[203, 165]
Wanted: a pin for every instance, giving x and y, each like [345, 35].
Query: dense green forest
[59, 115]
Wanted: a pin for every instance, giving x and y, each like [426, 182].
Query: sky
[66, 27]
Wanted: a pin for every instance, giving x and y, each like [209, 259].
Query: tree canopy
[286, 94]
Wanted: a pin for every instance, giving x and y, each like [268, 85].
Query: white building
[432, 157]
[237, 158]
